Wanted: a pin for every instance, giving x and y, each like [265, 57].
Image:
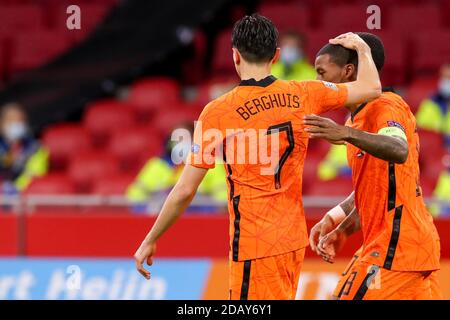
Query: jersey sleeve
[206, 140]
[389, 120]
[323, 96]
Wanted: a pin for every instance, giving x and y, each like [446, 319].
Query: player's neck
[352, 108]
[254, 71]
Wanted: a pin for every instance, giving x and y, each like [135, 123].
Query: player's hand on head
[324, 128]
[144, 254]
[349, 40]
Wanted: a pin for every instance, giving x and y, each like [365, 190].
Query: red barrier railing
[119, 234]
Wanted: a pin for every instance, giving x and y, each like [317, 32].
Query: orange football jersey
[265, 201]
[398, 231]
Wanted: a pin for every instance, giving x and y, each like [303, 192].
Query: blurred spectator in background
[434, 112]
[160, 174]
[442, 191]
[21, 156]
[334, 164]
[293, 64]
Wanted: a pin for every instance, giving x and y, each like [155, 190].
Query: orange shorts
[345, 275]
[269, 278]
[364, 281]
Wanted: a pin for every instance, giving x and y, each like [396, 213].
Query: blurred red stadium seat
[431, 49]
[92, 14]
[64, 141]
[428, 185]
[419, 90]
[33, 49]
[20, 17]
[344, 18]
[315, 40]
[340, 186]
[405, 18]
[194, 67]
[319, 147]
[339, 115]
[215, 87]
[310, 170]
[134, 146]
[287, 16]
[431, 152]
[223, 57]
[87, 167]
[103, 117]
[429, 176]
[151, 94]
[53, 183]
[3, 60]
[167, 120]
[113, 185]
[396, 57]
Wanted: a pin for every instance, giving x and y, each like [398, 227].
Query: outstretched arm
[178, 200]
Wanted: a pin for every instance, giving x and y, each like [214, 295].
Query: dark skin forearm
[389, 148]
[392, 149]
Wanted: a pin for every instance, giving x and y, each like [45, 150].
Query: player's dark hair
[255, 37]
[342, 56]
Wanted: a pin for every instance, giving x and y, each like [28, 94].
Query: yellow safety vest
[430, 117]
[334, 162]
[158, 175]
[441, 193]
[299, 71]
[36, 166]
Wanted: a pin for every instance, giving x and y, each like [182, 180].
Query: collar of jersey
[362, 105]
[267, 81]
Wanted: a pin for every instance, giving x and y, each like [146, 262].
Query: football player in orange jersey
[267, 229]
[400, 254]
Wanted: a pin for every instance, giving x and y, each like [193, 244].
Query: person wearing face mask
[159, 175]
[293, 64]
[21, 156]
[434, 112]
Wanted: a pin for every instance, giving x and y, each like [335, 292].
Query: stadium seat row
[353, 16]
[41, 34]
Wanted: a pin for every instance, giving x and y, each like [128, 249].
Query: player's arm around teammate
[389, 145]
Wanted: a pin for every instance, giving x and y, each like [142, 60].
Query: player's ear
[236, 56]
[276, 56]
[349, 72]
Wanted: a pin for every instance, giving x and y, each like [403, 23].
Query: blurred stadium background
[87, 116]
